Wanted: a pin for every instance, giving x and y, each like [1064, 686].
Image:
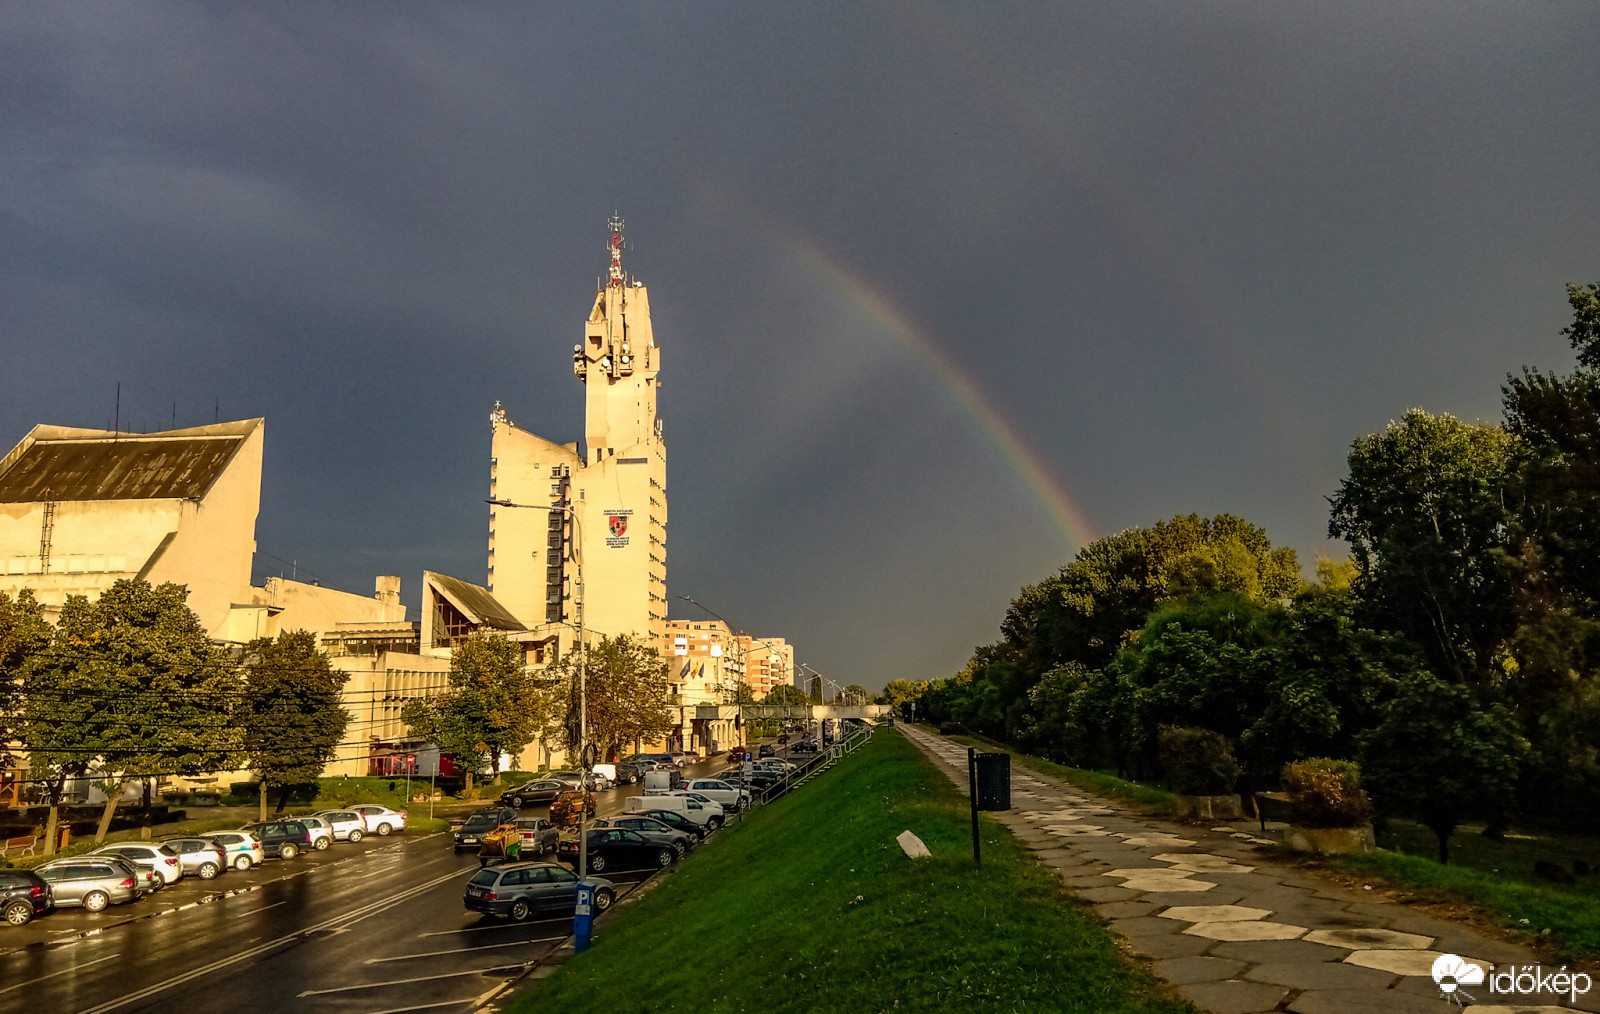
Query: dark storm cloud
[1188, 252]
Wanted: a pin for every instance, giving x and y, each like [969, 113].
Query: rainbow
[1067, 518]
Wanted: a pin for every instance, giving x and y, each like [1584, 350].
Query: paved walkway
[1236, 933]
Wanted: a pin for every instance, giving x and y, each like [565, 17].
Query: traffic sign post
[583, 917]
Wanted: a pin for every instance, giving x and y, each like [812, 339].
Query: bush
[1198, 762]
[952, 729]
[1326, 793]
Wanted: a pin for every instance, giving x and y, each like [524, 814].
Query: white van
[658, 783]
[709, 817]
[606, 771]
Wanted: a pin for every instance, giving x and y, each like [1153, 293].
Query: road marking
[463, 950]
[254, 911]
[64, 971]
[403, 982]
[348, 919]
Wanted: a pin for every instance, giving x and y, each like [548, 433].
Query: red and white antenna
[615, 246]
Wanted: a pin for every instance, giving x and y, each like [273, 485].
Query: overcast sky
[943, 291]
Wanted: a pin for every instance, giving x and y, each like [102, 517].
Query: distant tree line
[1453, 655]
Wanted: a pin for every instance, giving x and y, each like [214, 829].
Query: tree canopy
[491, 706]
[292, 713]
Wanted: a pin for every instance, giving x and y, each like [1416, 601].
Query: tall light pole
[585, 764]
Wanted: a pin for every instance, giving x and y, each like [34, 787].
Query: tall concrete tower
[615, 482]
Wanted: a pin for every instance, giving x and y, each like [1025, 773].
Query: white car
[320, 830]
[347, 825]
[715, 809]
[242, 848]
[776, 765]
[381, 820]
[731, 798]
[156, 856]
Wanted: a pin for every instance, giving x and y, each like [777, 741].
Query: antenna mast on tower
[615, 246]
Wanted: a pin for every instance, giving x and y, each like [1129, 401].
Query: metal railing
[814, 766]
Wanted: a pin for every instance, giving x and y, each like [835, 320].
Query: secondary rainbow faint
[1064, 515]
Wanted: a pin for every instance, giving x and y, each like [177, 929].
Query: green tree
[1439, 753]
[815, 690]
[789, 696]
[490, 706]
[626, 693]
[131, 687]
[292, 712]
[1425, 512]
[898, 692]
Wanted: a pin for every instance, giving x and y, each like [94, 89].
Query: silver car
[90, 882]
[380, 819]
[199, 857]
[242, 848]
[347, 825]
[321, 831]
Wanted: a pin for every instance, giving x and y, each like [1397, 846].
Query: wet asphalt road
[372, 928]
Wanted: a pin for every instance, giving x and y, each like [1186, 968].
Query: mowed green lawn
[810, 905]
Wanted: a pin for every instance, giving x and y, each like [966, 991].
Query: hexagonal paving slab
[1246, 931]
[1214, 913]
[1403, 962]
[1152, 883]
[1369, 939]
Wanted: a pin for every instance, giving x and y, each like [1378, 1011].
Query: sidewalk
[1237, 933]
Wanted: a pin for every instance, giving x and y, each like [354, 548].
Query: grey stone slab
[1215, 896]
[1304, 975]
[1107, 894]
[1170, 945]
[1233, 996]
[1125, 909]
[1366, 1001]
[1263, 951]
[1145, 925]
[1089, 880]
[1187, 971]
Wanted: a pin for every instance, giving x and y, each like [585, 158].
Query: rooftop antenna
[216, 410]
[615, 246]
[116, 426]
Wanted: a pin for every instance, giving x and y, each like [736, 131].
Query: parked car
[243, 849]
[630, 772]
[659, 759]
[90, 882]
[23, 895]
[732, 797]
[662, 781]
[775, 764]
[519, 890]
[479, 823]
[653, 829]
[538, 835]
[767, 750]
[564, 809]
[152, 854]
[804, 746]
[198, 857]
[381, 820]
[281, 839]
[716, 809]
[535, 793]
[678, 822]
[347, 825]
[619, 848]
[574, 779]
[320, 830]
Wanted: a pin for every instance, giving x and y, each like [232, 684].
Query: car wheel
[520, 910]
[242, 863]
[288, 852]
[681, 847]
[355, 836]
[602, 899]
[384, 829]
[207, 871]
[323, 843]
[665, 857]
[516, 802]
[713, 823]
[96, 901]
[19, 912]
[597, 863]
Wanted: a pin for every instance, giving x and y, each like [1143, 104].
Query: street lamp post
[585, 763]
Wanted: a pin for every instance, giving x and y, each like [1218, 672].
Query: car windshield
[478, 822]
[484, 878]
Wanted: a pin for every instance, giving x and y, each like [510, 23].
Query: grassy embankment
[1496, 879]
[810, 905]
